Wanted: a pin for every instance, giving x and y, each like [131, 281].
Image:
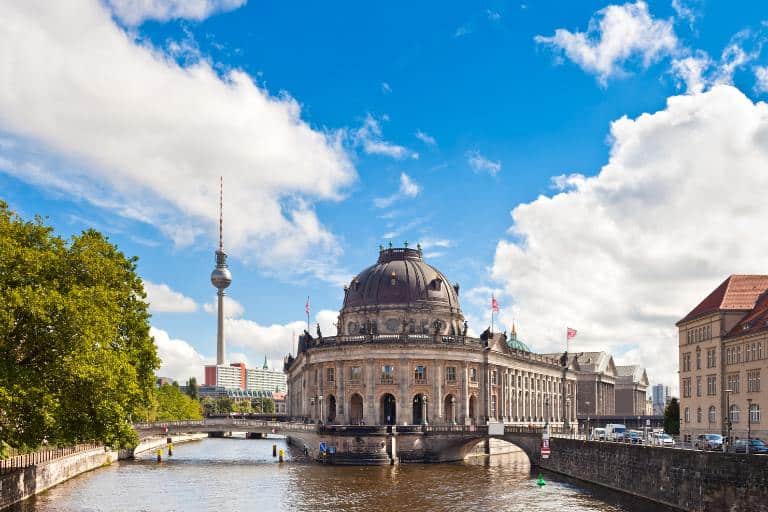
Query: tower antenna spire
[221, 213]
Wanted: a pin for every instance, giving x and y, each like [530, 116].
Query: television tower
[221, 278]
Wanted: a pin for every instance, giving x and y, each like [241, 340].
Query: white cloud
[462, 31]
[761, 78]
[625, 254]
[180, 360]
[120, 124]
[276, 340]
[615, 34]
[431, 243]
[134, 12]
[408, 188]
[692, 71]
[369, 137]
[698, 71]
[426, 138]
[685, 11]
[479, 163]
[162, 299]
[385, 88]
[232, 308]
[493, 15]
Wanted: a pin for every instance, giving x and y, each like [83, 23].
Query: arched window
[754, 413]
[698, 415]
[687, 415]
[712, 414]
[735, 414]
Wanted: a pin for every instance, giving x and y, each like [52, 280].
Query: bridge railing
[26, 460]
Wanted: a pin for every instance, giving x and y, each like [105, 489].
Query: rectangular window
[493, 406]
[711, 361]
[753, 381]
[698, 359]
[387, 374]
[493, 377]
[760, 350]
[330, 374]
[687, 362]
[733, 383]
[450, 374]
[355, 374]
[754, 413]
[698, 386]
[473, 375]
[420, 374]
[687, 388]
[711, 385]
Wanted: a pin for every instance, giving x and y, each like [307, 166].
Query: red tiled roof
[738, 292]
[755, 321]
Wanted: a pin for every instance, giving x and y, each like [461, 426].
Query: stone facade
[723, 354]
[631, 390]
[424, 370]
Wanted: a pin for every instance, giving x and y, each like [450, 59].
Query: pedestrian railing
[26, 460]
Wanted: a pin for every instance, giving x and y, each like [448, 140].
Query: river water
[239, 474]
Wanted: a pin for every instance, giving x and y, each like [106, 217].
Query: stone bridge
[360, 444]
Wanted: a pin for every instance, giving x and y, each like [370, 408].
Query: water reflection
[232, 474]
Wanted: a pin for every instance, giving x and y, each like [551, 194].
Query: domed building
[402, 356]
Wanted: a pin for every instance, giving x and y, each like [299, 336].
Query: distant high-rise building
[228, 377]
[659, 396]
[265, 379]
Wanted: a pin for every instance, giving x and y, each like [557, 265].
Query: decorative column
[424, 400]
[453, 410]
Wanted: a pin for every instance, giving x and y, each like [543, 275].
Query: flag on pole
[306, 306]
[571, 333]
[494, 304]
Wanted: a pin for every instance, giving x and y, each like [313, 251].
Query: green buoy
[540, 482]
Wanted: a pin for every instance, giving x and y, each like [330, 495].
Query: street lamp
[320, 406]
[749, 424]
[546, 411]
[728, 417]
[587, 404]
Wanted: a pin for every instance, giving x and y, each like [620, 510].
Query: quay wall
[689, 480]
[26, 482]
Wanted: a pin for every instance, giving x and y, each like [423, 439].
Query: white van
[598, 434]
[615, 431]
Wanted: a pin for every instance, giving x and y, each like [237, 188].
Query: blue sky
[341, 127]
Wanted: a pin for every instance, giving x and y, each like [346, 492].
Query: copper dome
[401, 277]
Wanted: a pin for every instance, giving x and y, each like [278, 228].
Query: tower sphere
[221, 277]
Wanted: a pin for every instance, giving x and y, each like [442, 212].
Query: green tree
[172, 405]
[672, 417]
[243, 406]
[263, 405]
[76, 359]
[224, 405]
[193, 390]
[209, 406]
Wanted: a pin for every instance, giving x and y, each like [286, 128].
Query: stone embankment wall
[24, 483]
[684, 479]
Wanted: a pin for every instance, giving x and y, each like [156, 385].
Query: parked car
[755, 446]
[598, 434]
[615, 432]
[709, 442]
[662, 439]
[634, 437]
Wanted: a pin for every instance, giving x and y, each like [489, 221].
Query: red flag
[571, 333]
[494, 304]
[306, 307]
